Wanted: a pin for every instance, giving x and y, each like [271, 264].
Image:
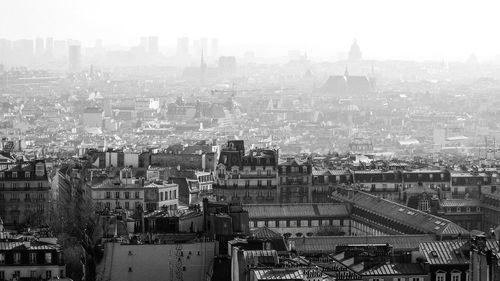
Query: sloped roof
[444, 252]
[304, 210]
[264, 232]
[423, 221]
[395, 269]
[325, 244]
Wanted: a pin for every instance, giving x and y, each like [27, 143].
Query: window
[175, 194]
[27, 185]
[268, 172]
[127, 195]
[108, 195]
[17, 258]
[259, 183]
[247, 183]
[441, 276]
[398, 279]
[127, 205]
[108, 205]
[40, 185]
[33, 273]
[14, 175]
[416, 279]
[2, 175]
[48, 274]
[32, 258]
[48, 257]
[269, 182]
[117, 194]
[2, 258]
[17, 273]
[27, 175]
[2, 275]
[423, 205]
[2, 185]
[136, 194]
[456, 275]
[161, 196]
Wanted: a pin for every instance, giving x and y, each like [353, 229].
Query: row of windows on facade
[396, 186]
[296, 223]
[27, 175]
[205, 178]
[462, 209]
[15, 185]
[39, 172]
[295, 169]
[27, 196]
[33, 258]
[33, 274]
[118, 205]
[398, 279]
[259, 183]
[269, 172]
[294, 180]
[172, 194]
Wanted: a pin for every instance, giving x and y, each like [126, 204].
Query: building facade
[25, 193]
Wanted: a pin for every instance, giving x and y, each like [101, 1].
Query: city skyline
[384, 30]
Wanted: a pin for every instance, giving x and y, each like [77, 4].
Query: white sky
[385, 29]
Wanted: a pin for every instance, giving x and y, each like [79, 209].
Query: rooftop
[302, 210]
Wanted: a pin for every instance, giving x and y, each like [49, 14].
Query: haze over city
[421, 30]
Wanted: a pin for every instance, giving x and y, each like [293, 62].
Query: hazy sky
[384, 29]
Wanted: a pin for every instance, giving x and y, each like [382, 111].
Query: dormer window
[40, 169]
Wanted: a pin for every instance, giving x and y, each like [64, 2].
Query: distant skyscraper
[204, 45]
[144, 44]
[60, 48]
[39, 47]
[75, 57]
[23, 51]
[153, 44]
[354, 52]
[49, 47]
[214, 48]
[182, 47]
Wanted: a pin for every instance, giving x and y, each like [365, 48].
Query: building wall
[25, 197]
[99, 196]
[159, 262]
[33, 271]
[302, 225]
[395, 277]
[185, 161]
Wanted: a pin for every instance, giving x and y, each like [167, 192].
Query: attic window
[434, 254]
[437, 227]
